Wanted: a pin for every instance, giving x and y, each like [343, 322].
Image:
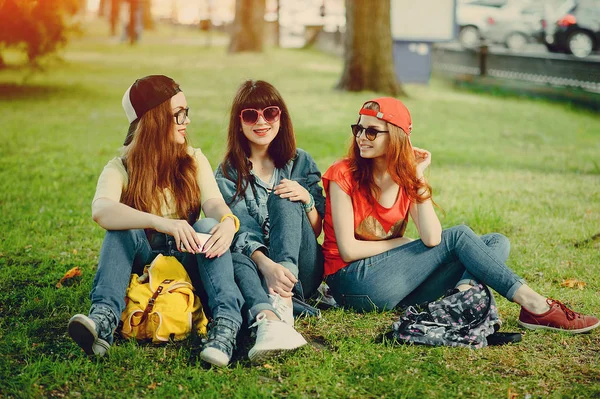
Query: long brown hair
[255, 94]
[401, 165]
[155, 163]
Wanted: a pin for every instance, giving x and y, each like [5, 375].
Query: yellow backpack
[161, 303]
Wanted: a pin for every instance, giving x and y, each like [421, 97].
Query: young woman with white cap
[370, 265]
[149, 201]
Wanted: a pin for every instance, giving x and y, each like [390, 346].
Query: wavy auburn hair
[156, 163]
[401, 165]
[255, 94]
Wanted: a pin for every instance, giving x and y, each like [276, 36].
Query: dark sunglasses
[181, 115]
[270, 114]
[370, 132]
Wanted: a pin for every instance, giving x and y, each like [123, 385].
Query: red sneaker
[559, 318]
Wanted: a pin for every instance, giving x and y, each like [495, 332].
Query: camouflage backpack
[464, 319]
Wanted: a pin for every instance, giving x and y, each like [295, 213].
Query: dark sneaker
[84, 332]
[218, 346]
[558, 318]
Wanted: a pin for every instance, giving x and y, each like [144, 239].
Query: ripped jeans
[414, 273]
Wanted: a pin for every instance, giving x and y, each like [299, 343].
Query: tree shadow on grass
[14, 91]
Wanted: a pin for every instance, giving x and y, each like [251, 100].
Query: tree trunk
[147, 19]
[132, 28]
[248, 27]
[278, 26]
[368, 60]
[101, 8]
[115, 11]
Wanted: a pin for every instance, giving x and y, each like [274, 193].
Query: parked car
[516, 24]
[574, 27]
[471, 17]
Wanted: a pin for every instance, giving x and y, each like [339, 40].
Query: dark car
[574, 27]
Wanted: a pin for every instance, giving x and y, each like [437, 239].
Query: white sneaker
[282, 309]
[272, 338]
[214, 356]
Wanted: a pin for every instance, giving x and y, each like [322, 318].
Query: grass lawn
[527, 169]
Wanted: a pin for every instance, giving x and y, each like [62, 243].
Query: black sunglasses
[181, 115]
[370, 132]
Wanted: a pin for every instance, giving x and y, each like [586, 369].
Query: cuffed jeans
[127, 251]
[251, 285]
[415, 273]
[293, 244]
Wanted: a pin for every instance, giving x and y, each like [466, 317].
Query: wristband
[311, 204]
[236, 221]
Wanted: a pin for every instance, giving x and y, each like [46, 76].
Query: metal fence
[555, 70]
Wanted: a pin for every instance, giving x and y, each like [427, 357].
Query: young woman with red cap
[370, 265]
[149, 201]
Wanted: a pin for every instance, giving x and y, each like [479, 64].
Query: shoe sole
[261, 355]
[541, 327]
[214, 357]
[83, 333]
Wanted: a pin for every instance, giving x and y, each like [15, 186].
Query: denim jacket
[251, 207]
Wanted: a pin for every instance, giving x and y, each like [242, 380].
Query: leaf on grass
[511, 394]
[69, 276]
[573, 283]
[152, 386]
[267, 366]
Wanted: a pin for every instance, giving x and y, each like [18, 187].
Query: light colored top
[114, 179]
[372, 221]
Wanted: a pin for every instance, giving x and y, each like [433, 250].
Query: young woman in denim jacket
[273, 188]
[370, 264]
[149, 201]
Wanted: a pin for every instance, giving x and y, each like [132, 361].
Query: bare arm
[350, 248]
[315, 221]
[423, 214]
[113, 215]
[222, 233]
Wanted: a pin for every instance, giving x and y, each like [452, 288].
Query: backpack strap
[151, 302]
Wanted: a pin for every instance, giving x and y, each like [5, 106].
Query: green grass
[526, 168]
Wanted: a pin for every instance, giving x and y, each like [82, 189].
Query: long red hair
[155, 163]
[255, 94]
[401, 165]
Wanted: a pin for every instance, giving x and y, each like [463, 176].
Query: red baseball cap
[390, 110]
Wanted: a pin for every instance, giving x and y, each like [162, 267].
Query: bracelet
[236, 221]
[311, 204]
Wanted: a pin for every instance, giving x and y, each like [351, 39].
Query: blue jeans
[414, 273]
[293, 244]
[127, 251]
[252, 286]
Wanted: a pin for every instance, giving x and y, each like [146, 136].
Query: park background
[526, 168]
